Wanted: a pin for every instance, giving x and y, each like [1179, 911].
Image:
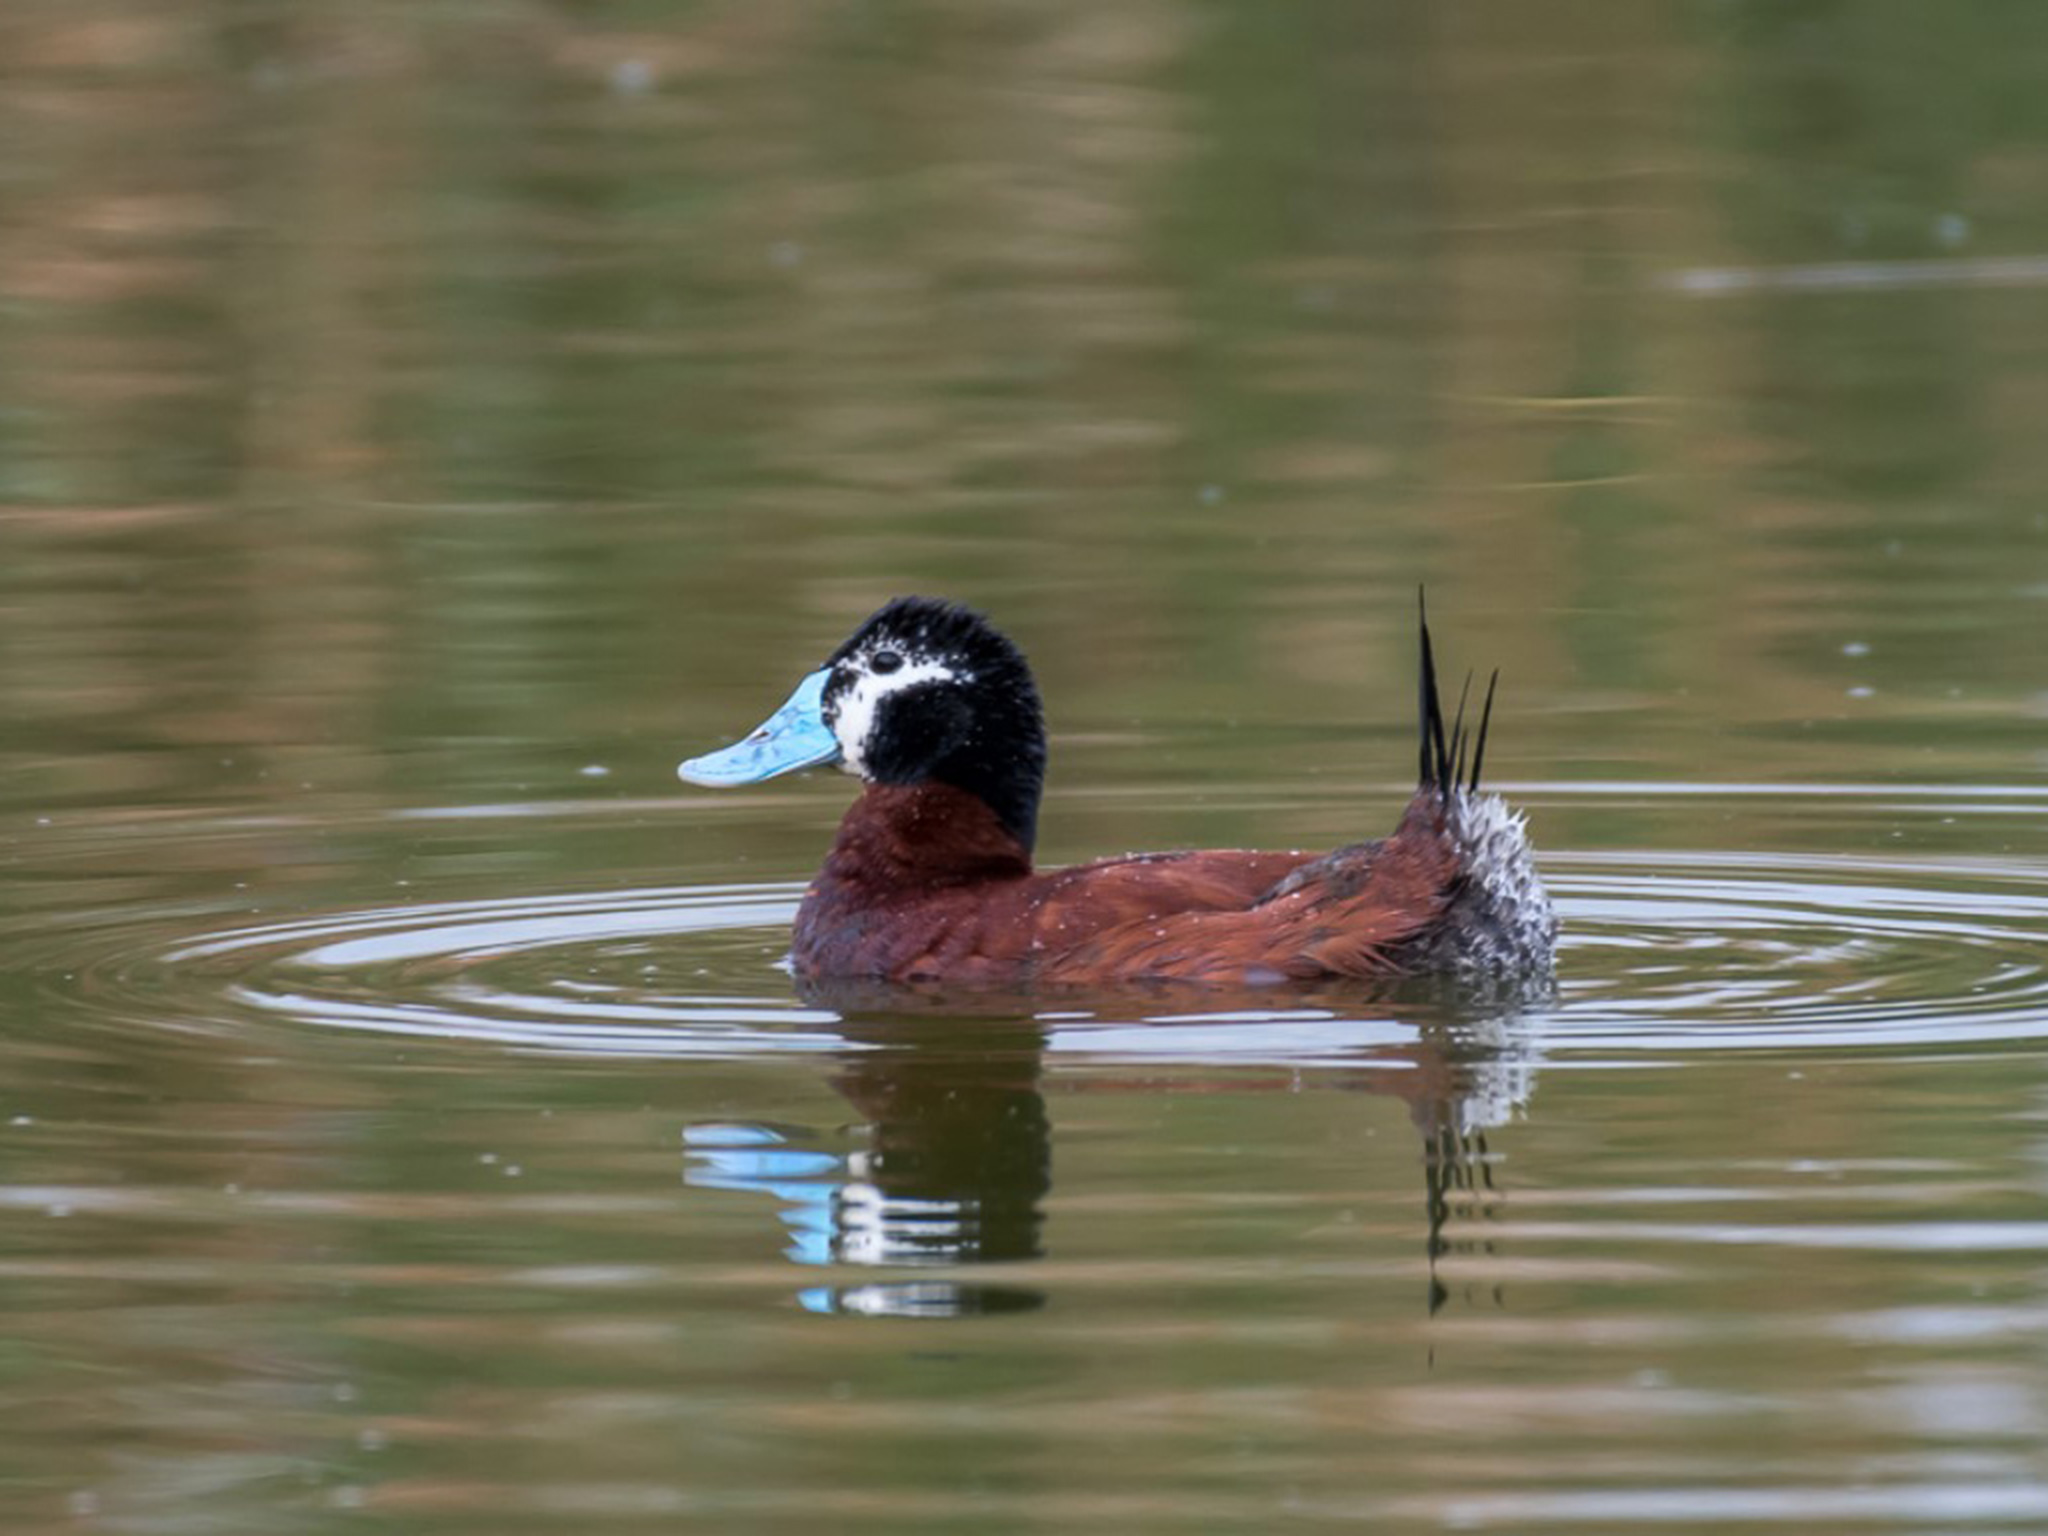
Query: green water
[422, 424]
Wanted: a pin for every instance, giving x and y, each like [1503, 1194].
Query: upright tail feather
[1441, 763]
[1432, 710]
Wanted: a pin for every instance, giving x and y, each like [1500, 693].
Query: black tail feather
[1441, 756]
[1432, 709]
[1485, 720]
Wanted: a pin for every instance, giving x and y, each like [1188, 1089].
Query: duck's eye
[885, 662]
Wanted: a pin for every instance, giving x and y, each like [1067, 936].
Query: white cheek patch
[855, 709]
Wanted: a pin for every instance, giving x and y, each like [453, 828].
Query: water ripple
[1663, 953]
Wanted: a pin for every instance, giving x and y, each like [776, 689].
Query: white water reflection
[1860, 276]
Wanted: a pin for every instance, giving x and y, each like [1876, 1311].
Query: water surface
[420, 427]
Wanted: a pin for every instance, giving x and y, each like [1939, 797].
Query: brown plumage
[923, 884]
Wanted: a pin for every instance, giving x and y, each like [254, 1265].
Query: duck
[930, 878]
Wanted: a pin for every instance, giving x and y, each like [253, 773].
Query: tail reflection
[1457, 1175]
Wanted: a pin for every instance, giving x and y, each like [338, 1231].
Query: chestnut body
[922, 884]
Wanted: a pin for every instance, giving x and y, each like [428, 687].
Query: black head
[929, 692]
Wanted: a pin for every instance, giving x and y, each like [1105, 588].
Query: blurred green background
[418, 401]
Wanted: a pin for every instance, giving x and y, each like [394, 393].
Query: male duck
[930, 877]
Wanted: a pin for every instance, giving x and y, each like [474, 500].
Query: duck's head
[924, 692]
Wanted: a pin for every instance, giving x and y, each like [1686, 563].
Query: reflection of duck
[931, 877]
[955, 1163]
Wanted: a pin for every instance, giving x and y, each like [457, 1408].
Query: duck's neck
[919, 836]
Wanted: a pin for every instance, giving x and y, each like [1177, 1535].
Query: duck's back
[1451, 890]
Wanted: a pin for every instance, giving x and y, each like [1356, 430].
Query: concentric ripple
[626, 972]
[1663, 952]
[1711, 951]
